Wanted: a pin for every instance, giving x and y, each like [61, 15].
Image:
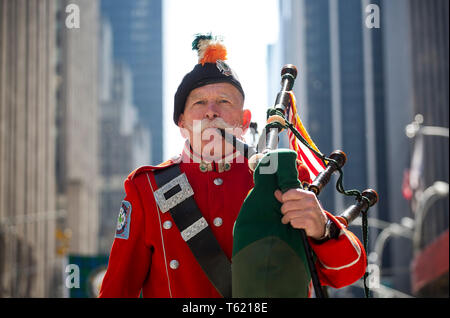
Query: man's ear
[246, 119]
[181, 121]
[184, 132]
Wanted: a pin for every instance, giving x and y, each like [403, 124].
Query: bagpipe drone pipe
[271, 259]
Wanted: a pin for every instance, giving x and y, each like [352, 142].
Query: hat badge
[224, 68]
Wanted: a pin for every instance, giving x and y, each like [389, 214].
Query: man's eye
[200, 102]
[224, 101]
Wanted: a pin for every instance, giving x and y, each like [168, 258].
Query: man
[157, 251]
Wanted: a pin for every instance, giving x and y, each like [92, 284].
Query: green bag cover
[268, 257]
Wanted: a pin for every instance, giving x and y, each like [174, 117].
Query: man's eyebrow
[196, 97]
[199, 96]
[224, 95]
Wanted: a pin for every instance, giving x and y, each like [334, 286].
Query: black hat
[211, 69]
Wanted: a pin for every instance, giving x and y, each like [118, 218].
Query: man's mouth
[216, 123]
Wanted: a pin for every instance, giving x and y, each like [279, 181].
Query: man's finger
[296, 194]
[290, 206]
[278, 195]
[299, 213]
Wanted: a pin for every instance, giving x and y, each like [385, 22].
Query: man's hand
[302, 209]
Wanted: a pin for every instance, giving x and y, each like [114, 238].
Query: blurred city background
[86, 91]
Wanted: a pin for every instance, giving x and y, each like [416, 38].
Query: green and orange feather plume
[209, 48]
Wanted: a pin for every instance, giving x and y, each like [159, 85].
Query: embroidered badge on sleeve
[123, 221]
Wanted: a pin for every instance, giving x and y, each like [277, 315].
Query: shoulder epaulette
[163, 165]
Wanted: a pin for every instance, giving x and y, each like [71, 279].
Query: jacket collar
[224, 164]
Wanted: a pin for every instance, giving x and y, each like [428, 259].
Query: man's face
[215, 105]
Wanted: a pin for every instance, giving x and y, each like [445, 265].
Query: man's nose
[212, 110]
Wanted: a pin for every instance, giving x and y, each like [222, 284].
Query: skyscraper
[125, 143]
[28, 262]
[137, 31]
[429, 22]
[77, 119]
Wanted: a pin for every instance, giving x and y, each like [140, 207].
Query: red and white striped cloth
[314, 163]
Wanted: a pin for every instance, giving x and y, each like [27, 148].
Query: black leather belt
[174, 194]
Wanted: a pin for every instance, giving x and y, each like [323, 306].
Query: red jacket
[149, 253]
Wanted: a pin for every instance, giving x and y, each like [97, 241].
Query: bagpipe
[271, 259]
